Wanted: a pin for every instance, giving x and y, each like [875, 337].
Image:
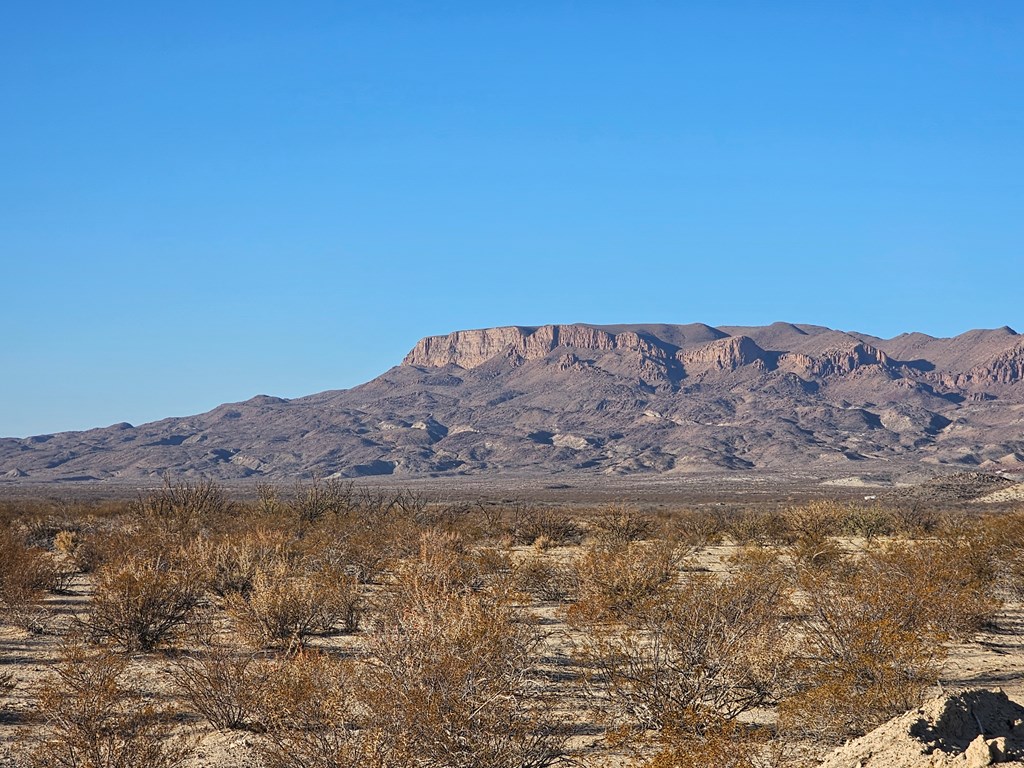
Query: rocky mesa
[612, 400]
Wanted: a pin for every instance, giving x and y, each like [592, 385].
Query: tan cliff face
[470, 349]
[655, 360]
[1005, 368]
[722, 355]
[833, 362]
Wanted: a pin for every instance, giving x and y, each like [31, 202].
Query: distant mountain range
[586, 400]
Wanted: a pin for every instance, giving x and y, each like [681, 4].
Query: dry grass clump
[143, 601]
[94, 718]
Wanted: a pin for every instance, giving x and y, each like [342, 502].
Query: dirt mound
[960, 486]
[969, 730]
[1009, 493]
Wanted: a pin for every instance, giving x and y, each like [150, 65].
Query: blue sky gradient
[200, 202]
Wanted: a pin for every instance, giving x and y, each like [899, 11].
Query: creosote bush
[837, 614]
[546, 579]
[282, 609]
[447, 677]
[620, 581]
[875, 632]
[182, 508]
[26, 573]
[555, 527]
[142, 601]
[720, 743]
[708, 650]
[226, 687]
[621, 523]
[94, 718]
[230, 561]
[314, 719]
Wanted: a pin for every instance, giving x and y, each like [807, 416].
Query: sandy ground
[994, 659]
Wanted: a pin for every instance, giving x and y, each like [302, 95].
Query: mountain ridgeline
[579, 400]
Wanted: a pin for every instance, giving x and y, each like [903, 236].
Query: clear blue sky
[200, 202]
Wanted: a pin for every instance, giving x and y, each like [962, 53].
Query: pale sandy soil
[1013, 493]
[994, 659]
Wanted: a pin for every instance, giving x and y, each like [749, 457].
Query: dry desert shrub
[556, 527]
[620, 581]
[312, 501]
[226, 687]
[874, 635]
[313, 718]
[87, 549]
[448, 682]
[816, 519]
[916, 520]
[991, 546]
[495, 569]
[346, 544]
[869, 522]
[183, 508]
[143, 601]
[544, 578]
[1008, 532]
[26, 574]
[812, 528]
[758, 527]
[95, 719]
[695, 528]
[231, 561]
[286, 609]
[621, 523]
[708, 651]
[444, 560]
[721, 743]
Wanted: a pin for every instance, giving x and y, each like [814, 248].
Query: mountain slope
[610, 400]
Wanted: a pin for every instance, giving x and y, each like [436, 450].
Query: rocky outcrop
[722, 355]
[1005, 368]
[834, 362]
[471, 349]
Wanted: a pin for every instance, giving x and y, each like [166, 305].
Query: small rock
[978, 753]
